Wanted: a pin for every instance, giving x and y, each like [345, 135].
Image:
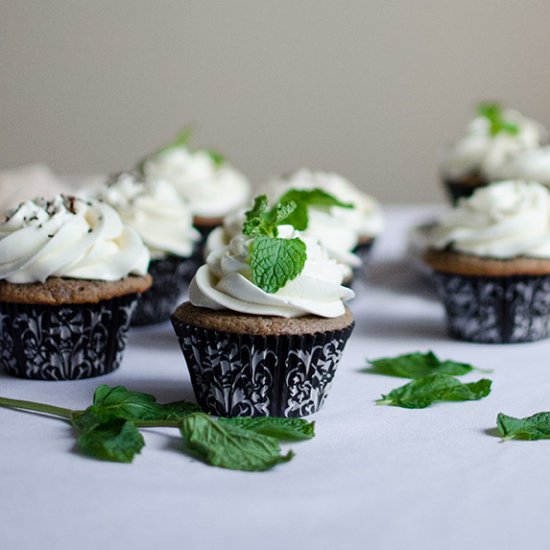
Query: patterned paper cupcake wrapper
[363, 250]
[243, 375]
[171, 276]
[66, 342]
[457, 190]
[496, 309]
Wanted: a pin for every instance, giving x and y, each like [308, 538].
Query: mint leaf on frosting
[417, 365]
[230, 446]
[530, 428]
[493, 112]
[422, 392]
[304, 198]
[263, 221]
[275, 261]
[216, 157]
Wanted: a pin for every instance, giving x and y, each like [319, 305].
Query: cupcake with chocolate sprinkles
[266, 322]
[163, 219]
[491, 261]
[70, 276]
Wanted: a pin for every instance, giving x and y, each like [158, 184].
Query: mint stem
[33, 406]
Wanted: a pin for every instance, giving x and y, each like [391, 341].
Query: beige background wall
[370, 89]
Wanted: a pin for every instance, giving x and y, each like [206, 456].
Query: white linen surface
[374, 477]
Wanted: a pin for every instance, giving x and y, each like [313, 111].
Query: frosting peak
[211, 189]
[68, 237]
[225, 282]
[503, 220]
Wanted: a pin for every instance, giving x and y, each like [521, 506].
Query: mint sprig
[530, 428]
[494, 114]
[422, 392]
[109, 429]
[305, 198]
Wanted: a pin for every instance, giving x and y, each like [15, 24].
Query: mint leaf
[304, 198]
[181, 140]
[531, 428]
[275, 261]
[114, 439]
[422, 392]
[283, 429]
[494, 114]
[129, 405]
[229, 446]
[261, 221]
[217, 158]
[417, 365]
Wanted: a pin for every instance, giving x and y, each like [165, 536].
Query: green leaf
[229, 446]
[114, 439]
[181, 140]
[422, 392]
[283, 429]
[497, 124]
[275, 261]
[261, 221]
[304, 198]
[129, 405]
[217, 158]
[417, 365]
[532, 427]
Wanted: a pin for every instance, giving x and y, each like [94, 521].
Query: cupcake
[266, 323]
[155, 210]
[491, 260]
[212, 187]
[492, 138]
[359, 225]
[530, 165]
[70, 276]
[338, 239]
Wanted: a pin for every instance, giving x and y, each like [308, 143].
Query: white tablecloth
[374, 477]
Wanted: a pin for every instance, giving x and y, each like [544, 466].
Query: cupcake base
[64, 342]
[238, 374]
[508, 309]
[171, 276]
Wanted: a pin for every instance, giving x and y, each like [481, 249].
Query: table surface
[374, 477]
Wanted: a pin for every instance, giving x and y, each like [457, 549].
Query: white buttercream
[225, 283]
[503, 220]
[212, 191]
[68, 237]
[531, 165]
[156, 211]
[480, 153]
[365, 218]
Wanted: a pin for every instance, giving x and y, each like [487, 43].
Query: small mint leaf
[275, 261]
[494, 114]
[217, 158]
[531, 428]
[260, 221]
[181, 140]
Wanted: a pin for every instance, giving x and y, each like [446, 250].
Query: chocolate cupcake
[212, 187]
[492, 139]
[70, 276]
[491, 262]
[266, 324]
[162, 218]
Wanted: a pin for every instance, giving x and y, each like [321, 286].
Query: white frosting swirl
[156, 211]
[503, 220]
[68, 237]
[480, 153]
[225, 283]
[335, 237]
[531, 165]
[365, 218]
[211, 190]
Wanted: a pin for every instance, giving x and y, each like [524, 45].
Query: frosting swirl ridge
[68, 237]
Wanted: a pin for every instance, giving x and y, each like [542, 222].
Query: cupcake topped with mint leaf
[204, 178]
[266, 322]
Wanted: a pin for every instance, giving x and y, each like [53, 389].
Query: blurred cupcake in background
[212, 187]
[492, 140]
[491, 261]
[70, 275]
[314, 220]
[164, 221]
[530, 165]
[364, 218]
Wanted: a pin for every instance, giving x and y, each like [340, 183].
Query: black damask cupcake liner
[171, 276]
[65, 342]
[243, 375]
[496, 309]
